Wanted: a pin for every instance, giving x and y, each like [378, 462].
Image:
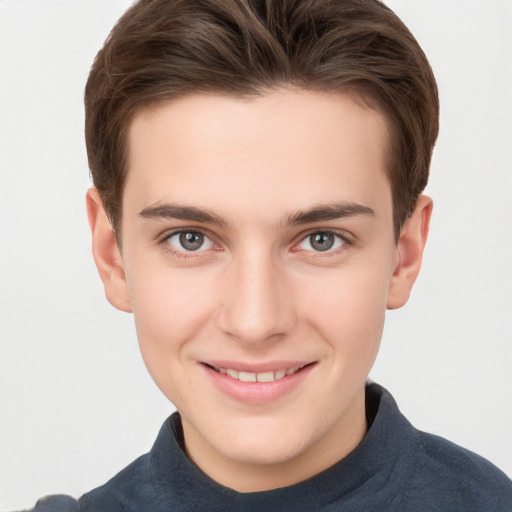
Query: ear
[106, 253]
[410, 246]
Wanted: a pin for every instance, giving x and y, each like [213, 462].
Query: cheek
[170, 309]
[349, 311]
[164, 299]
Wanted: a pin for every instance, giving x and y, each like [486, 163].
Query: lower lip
[257, 393]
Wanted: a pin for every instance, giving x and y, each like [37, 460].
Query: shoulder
[136, 487]
[132, 484]
[432, 473]
[456, 478]
[59, 503]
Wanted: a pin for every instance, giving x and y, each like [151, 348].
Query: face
[258, 258]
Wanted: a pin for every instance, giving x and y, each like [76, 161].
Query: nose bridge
[256, 304]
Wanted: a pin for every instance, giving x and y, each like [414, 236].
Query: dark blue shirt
[395, 468]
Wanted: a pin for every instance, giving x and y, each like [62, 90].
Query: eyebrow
[190, 213]
[330, 212]
[194, 214]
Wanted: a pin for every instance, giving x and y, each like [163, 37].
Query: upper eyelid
[163, 239]
[165, 235]
[343, 234]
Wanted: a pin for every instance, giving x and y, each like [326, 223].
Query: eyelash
[184, 254]
[163, 240]
[342, 236]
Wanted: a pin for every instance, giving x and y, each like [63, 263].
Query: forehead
[285, 147]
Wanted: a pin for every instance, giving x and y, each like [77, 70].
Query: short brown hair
[164, 49]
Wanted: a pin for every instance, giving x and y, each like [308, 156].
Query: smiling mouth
[269, 376]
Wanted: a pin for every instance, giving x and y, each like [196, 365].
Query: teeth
[265, 377]
[232, 373]
[257, 377]
[247, 377]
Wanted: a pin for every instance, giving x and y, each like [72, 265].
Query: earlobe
[410, 246]
[106, 253]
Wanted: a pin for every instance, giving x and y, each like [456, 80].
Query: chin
[263, 442]
[265, 452]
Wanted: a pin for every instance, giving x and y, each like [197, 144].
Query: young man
[258, 170]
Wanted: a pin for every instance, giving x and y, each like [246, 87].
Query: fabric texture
[395, 468]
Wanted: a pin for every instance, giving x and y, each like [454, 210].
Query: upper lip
[272, 366]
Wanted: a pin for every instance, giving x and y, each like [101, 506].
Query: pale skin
[258, 186]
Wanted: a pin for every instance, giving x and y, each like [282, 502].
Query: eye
[322, 241]
[189, 241]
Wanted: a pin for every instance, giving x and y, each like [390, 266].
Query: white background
[76, 403]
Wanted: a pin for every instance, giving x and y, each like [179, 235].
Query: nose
[257, 305]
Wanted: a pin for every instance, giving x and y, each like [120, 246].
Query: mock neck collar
[385, 452]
